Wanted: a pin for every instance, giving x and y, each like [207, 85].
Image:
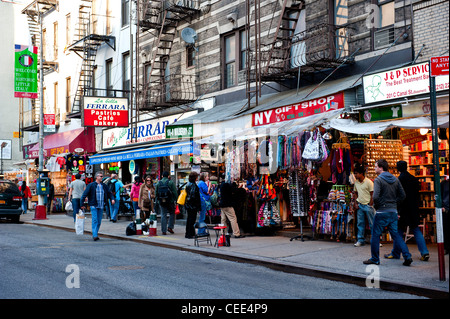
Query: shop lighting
[423, 131]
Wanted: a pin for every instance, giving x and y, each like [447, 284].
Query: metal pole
[437, 178]
[41, 108]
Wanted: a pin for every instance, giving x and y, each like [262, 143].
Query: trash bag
[131, 229]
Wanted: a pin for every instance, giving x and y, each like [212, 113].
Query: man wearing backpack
[166, 196]
[114, 186]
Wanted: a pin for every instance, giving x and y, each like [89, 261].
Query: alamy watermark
[373, 279]
[73, 279]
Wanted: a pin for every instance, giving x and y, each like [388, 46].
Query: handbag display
[182, 198]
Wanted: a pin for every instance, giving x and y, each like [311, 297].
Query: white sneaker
[358, 244]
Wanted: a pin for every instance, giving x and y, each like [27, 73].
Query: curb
[285, 267]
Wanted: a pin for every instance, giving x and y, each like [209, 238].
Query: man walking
[114, 186]
[76, 189]
[364, 191]
[409, 213]
[166, 197]
[97, 194]
[387, 193]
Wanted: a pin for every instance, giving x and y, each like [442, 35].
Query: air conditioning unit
[383, 38]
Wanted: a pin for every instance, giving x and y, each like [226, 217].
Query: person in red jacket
[25, 190]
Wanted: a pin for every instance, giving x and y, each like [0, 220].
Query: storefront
[65, 155]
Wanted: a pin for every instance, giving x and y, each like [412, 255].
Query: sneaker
[370, 262]
[390, 256]
[358, 244]
[407, 262]
[425, 257]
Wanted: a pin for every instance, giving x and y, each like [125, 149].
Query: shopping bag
[312, 150]
[182, 198]
[177, 210]
[79, 223]
[69, 206]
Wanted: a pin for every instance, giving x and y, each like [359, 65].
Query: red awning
[66, 142]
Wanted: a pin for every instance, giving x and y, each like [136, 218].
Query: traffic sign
[439, 66]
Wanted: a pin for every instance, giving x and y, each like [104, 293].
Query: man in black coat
[227, 210]
[409, 211]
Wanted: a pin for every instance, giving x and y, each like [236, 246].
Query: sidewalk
[319, 258]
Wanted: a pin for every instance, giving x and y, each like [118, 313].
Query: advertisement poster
[25, 72]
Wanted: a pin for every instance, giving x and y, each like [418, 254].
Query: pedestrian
[205, 203]
[146, 197]
[97, 194]
[387, 194]
[114, 185]
[409, 213]
[166, 197]
[445, 212]
[227, 210]
[76, 189]
[364, 199]
[26, 193]
[134, 193]
[192, 204]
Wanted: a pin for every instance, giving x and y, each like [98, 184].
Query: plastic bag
[69, 206]
[131, 229]
[79, 223]
[182, 198]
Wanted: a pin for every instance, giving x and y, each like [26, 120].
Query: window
[126, 73]
[55, 100]
[109, 83]
[55, 40]
[235, 56]
[190, 56]
[108, 17]
[44, 44]
[387, 14]
[125, 12]
[68, 104]
[68, 28]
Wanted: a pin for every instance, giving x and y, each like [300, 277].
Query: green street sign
[180, 131]
[26, 72]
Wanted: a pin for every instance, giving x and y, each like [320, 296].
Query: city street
[44, 263]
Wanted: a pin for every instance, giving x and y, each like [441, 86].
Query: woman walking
[134, 193]
[192, 204]
[25, 190]
[146, 198]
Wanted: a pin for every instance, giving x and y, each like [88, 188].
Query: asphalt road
[44, 263]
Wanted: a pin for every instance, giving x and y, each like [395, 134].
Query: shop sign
[411, 109]
[180, 131]
[439, 65]
[26, 71]
[146, 131]
[400, 83]
[105, 111]
[410, 137]
[302, 109]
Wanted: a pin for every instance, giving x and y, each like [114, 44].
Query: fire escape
[292, 50]
[33, 11]
[85, 45]
[158, 21]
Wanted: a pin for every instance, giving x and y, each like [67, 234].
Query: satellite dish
[189, 35]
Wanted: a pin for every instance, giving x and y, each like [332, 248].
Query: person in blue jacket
[204, 196]
[97, 194]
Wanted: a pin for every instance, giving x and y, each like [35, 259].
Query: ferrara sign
[105, 111]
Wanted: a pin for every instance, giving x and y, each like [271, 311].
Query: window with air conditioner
[384, 33]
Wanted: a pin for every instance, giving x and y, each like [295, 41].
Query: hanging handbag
[312, 148]
[182, 198]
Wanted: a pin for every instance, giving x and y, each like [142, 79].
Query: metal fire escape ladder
[86, 46]
[278, 56]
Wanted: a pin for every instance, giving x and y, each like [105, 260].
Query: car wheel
[15, 219]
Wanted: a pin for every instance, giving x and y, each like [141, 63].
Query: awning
[354, 127]
[66, 142]
[160, 150]
[275, 129]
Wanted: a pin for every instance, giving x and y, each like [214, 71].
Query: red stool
[218, 230]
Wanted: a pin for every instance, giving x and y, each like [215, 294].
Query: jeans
[135, 207]
[363, 211]
[201, 218]
[114, 209]
[164, 210]
[417, 232]
[24, 205]
[76, 204]
[97, 214]
[389, 220]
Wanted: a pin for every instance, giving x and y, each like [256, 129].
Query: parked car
[10, 201]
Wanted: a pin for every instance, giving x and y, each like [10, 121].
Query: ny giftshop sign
[402, 82]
